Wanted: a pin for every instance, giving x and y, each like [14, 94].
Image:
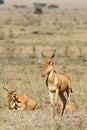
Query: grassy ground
[21, 42]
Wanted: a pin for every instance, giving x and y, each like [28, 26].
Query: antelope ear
[52, 61]
[41, 62]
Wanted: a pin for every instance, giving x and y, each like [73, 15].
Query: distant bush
[40, 4]
[53, 6]
[1, 1]
[35, 32]
[38, 10]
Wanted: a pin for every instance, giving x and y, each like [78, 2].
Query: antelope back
[31, 103]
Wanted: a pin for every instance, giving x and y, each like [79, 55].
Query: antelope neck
[47, 80]
[51, 71]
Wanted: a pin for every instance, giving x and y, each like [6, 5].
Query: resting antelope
[20, 101]
[24, 102]
[57, 83]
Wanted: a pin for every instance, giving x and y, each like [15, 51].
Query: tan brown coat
[20, 101]
[24, 102]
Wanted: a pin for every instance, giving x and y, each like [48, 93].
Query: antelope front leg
[56, 97]
[56, 101]
[52, 105]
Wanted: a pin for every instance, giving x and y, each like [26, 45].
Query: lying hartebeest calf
[69, 106]
[57, 83]
[20, 101]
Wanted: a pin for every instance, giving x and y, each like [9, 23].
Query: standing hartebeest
[57, 83]
[20, 101]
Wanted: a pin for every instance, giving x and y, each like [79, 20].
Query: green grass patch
[53, 6]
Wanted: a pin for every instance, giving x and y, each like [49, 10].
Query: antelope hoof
[56, 103]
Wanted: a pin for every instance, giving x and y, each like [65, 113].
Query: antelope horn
[13, 91]
[5, 89]
[50, 56]
[53, 54]
[8, 91]
[42, 53]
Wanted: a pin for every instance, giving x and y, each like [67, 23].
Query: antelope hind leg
[64, 102]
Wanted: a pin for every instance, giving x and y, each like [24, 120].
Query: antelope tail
[71, 91]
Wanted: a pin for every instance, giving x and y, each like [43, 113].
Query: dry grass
[19, 66]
